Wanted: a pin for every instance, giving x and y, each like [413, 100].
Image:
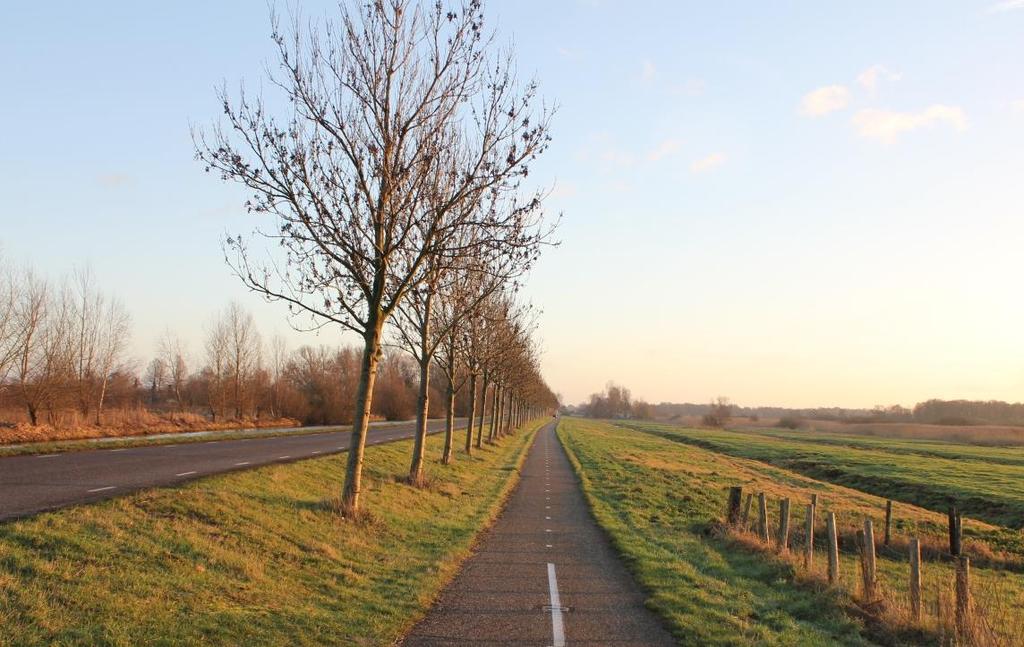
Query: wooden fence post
[762, 517]
[888, 522]
[963, 597]
[735, 497]
[833, 549]
[955, 531]
[867, 542]
[783, 539]
[809, 531]
[746, 510]
[814, 500]
[915, 579]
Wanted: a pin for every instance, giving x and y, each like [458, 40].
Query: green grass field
[924, 473]
[252, 558]
[659, 500]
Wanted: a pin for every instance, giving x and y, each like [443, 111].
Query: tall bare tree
[174, 355]
[112, 336]
[401, 113]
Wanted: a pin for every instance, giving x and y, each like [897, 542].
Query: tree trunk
[449, 425]
[99, 401]
[423, 401]
[471, 413]
[511, 407]
[364, 400]
[483, 413]
[422, 409]
[492, 433]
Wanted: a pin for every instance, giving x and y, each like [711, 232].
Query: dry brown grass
[118, 423]
[993, 621]
[988, 435]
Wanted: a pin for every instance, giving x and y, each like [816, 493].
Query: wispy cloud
[886, 126]
[707, 163]
[870, 77]
[664, 149]
[570, 53]
[824, 100]
[563, 190]
[1017, 106]
[1006, 5]
[647, 70]
[691, 87]
[114, 180]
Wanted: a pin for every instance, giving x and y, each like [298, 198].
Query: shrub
[790, 422]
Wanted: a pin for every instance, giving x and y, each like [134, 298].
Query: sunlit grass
[990, 491]
[659, 498]
[252, 558]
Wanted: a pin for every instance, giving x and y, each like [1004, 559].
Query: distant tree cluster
[615, 402]
[719, 414]
[969, 412]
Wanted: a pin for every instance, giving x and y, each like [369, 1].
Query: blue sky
[790, 203]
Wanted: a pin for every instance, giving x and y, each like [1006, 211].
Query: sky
[786, 203]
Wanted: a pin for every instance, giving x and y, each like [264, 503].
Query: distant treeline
[942, 412]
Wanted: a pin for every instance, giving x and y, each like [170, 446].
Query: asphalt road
[545, 574]
[35, 483]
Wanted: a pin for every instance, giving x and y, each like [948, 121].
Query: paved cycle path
[544, 574]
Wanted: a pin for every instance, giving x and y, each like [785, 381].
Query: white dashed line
[185, 474]
[557, 629]
[548, 518]
[47, 455]
[283, 457]
[317, 451]
[122, 449]
[102, 489]
[242, 463]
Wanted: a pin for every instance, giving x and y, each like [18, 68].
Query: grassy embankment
[252, 558]
[659, 500]
[987, 490]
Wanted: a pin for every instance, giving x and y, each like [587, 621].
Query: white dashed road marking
[185, 474]
[102, 489]
[242, 463]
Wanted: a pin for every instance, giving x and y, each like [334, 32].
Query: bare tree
[244, 355]
[174, 356]
[156, 377]
[216, 371]
[112, 336]
[11, 332]
[401, 114]
[278, 363]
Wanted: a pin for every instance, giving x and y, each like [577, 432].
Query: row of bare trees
[394, 181]
[64, 362]
[62, 344]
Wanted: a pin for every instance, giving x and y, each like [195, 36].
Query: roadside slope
[255, 558]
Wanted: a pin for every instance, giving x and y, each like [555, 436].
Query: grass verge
[661, 500]
[253, 558]
[985, 490]
[709, 592]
